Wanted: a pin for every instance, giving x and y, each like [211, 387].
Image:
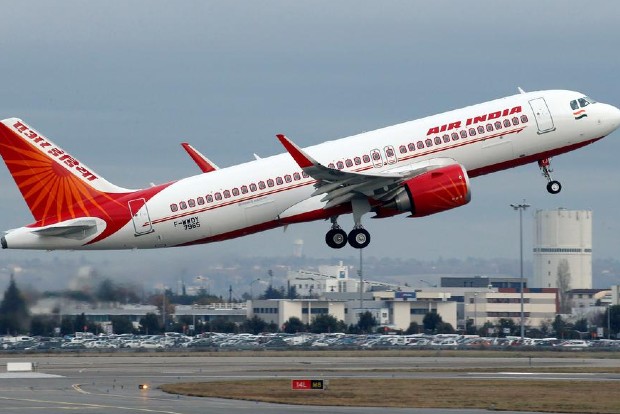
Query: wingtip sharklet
[301, 158]
[205, 164]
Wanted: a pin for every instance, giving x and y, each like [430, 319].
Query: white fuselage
[270, 192]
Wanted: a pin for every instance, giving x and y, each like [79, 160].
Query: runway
[109, 384]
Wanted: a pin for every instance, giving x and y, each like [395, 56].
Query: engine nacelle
[432, 192]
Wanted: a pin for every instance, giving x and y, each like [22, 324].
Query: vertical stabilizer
[55, 185]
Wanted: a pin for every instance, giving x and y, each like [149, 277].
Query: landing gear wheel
[554, 187]
[359, 238]
[336, 238]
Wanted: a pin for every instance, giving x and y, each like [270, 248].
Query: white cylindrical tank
[563, 244]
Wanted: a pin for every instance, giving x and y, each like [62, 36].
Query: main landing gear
[358, 238]
[336, 238]
[553, 186]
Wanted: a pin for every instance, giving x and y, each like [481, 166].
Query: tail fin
[54, 184]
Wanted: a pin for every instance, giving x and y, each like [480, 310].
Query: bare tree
[563, 285]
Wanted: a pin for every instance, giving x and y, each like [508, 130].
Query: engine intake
[435, 191]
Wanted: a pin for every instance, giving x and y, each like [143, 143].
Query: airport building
[539, 305]
[308, 283]
[563, 249]
[482, 282]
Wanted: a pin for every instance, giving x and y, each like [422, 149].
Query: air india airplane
[420, 167]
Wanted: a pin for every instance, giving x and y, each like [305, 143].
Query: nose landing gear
[553, 187]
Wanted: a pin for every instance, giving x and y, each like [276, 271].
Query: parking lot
[274, 341]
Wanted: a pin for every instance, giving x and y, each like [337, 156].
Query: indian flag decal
[580, 114]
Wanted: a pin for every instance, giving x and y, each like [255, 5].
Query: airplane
[419, 168]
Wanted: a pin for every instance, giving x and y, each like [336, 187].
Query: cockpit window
[585, 101]
[581, 102]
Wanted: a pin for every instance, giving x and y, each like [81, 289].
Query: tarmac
[110, 384]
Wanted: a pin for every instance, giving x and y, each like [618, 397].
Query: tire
[336, 238]
[554, 187]
[359, 238]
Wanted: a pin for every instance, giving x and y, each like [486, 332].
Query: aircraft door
[140, 216]
[542, 115]
[390, 154]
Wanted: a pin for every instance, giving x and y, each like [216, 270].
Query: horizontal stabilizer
[72, 229]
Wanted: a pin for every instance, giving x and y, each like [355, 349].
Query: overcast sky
[120, 84]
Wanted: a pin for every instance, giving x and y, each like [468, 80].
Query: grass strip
[516, 395]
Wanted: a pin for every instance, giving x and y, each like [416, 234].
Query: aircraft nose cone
[615, 115]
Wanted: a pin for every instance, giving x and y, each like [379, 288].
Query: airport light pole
[360, 272]
[609, 321]
[520, 208]
[476, 311]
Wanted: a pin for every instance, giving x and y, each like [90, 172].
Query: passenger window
[515, 121]
[489, 127]
[455, 136]
[279, 181]
[402, 149]
[226, 194]
[340, 165]
[481, 129]
[366, 159]
[253, 187]
[304, 174]
[261, 185]
[200, 201]
[472, 132]
[218, 196]
[348, 163]
[209, 198]
[270, 183]
[507, 123]
[235, 192]
[429, 143]
[331, 165]
[244, 189]
[411, 147]
[191, 203]
[183, 205]
[357, 160]
[498, 125]
[173, 207]
[296, 176]
[420, 145]
[446, 138]
[524, 119]
[463, 134]
[437, 140]
[288, 178]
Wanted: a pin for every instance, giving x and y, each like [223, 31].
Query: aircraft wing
[342, 186]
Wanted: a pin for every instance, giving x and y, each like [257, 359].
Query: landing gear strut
[553, 186]
[359, 237]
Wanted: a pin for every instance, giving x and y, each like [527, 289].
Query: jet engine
[435, 191]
